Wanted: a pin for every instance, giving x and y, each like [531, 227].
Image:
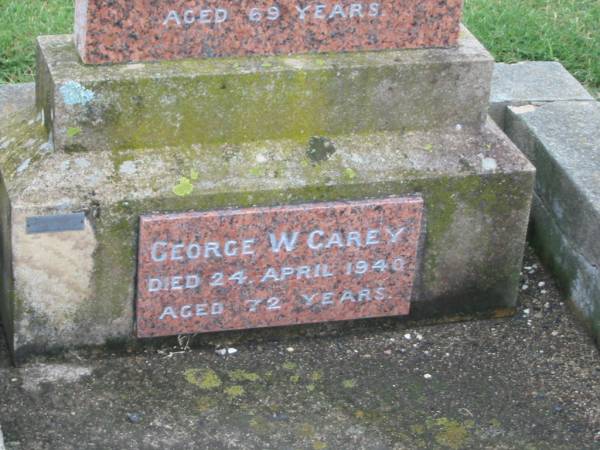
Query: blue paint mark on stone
[75, 94]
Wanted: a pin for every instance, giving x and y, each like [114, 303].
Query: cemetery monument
[185, 167]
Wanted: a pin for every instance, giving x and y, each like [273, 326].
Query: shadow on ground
[527, 382]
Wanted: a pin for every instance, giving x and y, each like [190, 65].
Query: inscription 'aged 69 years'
[123, 30]
[261, 267]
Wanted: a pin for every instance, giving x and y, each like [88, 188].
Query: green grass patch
[547, 30]
[513, 30]
[20, 22]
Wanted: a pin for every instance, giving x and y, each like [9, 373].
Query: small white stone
[260, 158]
[221, 351]
[527, 267]
[407, 336]
[231, 350]
[82, 163]
[46, 147]
[547, 305]
[458, 127]
[24, 165]
[526, 312]
[419, 337]
[127, 168]
[427, 376]
[525, 287]
[522, 109]
[290, 349]
[554, 333]
[543, 291]
[489, 164]
[541, 284]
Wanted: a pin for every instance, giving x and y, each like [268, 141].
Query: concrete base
[532, 82]
[561, 139]
[76, 288]
[556, 123]
[234, 100]
[524, 383]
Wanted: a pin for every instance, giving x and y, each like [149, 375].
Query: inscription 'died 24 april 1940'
[260, 267]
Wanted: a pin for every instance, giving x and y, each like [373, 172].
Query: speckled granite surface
[146, 30]
[265, 267]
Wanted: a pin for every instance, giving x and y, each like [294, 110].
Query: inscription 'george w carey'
[261, 267]
[147, 30]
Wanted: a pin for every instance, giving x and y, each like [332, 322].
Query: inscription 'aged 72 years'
[261, 267]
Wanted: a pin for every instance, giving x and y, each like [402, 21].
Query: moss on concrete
[236, 100]
[473, 236]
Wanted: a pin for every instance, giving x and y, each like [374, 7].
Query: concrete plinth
[235, 100]
[74, 288]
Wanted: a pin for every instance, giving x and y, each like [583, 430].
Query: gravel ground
[528, 382]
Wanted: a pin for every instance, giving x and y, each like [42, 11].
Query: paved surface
[526, 382]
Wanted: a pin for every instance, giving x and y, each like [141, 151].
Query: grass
[513, 30]
[20, 22]
[554, 30]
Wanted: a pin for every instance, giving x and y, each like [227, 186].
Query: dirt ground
[527, 382]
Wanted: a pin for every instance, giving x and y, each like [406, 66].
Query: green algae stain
[184, 187]
[316, 375]
[319, 445]
[260, 425]
[206, 379]
[295, 379]
[349, 384]
[495, 423]
[349, 174]
[243, 375]
[417, 429]
[311, 387]
[234, 391]
[204, 404]
[451, 433]
[194, 175]
[306, 430]
[288, 365]
[256, 171]
[73, 131]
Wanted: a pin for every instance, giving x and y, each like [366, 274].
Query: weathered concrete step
[562, 140]
[532, 82]
[556, 123]
[78, 287]
[235, 100]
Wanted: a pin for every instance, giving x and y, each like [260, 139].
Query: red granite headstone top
[147, 30]
[261, 267]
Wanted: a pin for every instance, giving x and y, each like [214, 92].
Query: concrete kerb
[532, 82]
[556, 123]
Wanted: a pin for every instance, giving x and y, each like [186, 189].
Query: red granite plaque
[147, 30]
[262, 267]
